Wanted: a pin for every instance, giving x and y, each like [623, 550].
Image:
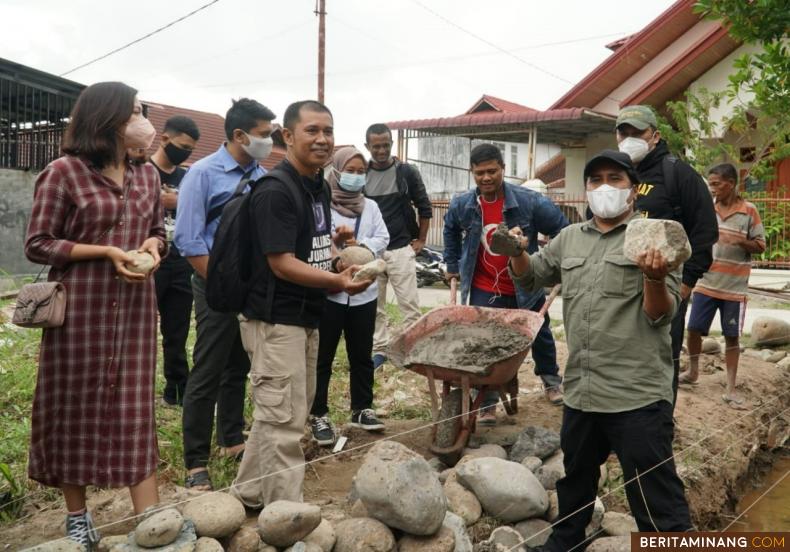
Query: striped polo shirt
[728, 276]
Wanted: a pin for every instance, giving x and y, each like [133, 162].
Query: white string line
[413, 430]
[697, 468]
[758, 500]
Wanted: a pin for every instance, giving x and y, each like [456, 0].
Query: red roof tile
[498, 104]
[211, 125]
[551, 170]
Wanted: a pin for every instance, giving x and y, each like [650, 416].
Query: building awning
[566, 127]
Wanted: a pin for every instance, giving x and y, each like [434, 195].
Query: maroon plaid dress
[93, 411]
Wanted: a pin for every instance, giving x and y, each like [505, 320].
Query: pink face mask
[139, 133]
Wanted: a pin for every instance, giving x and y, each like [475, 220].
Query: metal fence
[774, 209]
[33, 118]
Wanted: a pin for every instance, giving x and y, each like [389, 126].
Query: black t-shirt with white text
[277, 228]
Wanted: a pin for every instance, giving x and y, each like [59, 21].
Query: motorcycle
[431, 268]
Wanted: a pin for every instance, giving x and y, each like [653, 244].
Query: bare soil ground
[715, 446]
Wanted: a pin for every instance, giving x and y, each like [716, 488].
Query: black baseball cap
[618, 158]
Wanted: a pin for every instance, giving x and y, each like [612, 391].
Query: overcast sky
[386, 60]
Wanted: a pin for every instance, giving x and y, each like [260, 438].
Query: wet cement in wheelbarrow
[468, 348]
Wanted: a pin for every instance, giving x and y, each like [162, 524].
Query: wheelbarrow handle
[453, 291]
[554, 292]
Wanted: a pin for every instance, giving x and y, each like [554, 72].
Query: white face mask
[259, 148]
[636, 148]
[608, 202]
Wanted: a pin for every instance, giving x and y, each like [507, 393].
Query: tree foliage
[758, 90]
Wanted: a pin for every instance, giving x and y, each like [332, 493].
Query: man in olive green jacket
[618, 380]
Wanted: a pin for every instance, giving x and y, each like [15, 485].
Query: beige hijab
[348, 204]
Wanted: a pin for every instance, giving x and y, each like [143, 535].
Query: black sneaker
[323, 434]
[366, 419]
[81, 530]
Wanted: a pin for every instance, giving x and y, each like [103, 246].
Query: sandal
[735, 404]
[236, 457]
[199, 479]
[684, 379]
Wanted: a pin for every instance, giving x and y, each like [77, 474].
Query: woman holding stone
[93, 213]
[358, 229]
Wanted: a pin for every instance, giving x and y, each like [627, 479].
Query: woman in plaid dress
[93, 411]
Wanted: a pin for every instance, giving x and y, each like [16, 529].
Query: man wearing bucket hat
[618, 379]
[670, 188]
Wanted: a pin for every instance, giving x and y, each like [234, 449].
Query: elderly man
[618, 380]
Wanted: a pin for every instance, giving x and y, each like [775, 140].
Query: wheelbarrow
[455, 418]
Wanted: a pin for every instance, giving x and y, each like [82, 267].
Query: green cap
[638, 116]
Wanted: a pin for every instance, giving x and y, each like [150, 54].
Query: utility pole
[320, 11]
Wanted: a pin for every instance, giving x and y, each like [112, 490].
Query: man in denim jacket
[468, 225]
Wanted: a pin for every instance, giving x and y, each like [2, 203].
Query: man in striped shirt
[725, 286]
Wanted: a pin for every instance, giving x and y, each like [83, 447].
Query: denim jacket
[463, 226]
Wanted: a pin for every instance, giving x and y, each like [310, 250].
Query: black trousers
[357, 324]
[676, 331]
[642, 439]
[219, 374]
[174, 299]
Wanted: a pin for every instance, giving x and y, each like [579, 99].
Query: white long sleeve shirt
[373, 235]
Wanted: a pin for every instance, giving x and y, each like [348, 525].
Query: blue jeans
[544, 352]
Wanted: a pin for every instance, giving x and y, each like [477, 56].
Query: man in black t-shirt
[292, 248]
[173, 279]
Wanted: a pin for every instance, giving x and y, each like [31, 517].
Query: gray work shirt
[618, 358]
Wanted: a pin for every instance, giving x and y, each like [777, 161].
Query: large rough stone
[506, 490]
[770, 332]
[532, 463]
[399, 488]
[710, 346]
[597, 518]
[667, 236]
[462, 541]
[358, 510]
[616, 524]
[245, 539]
[437, 465]
[554, 507]
[442, 541]
[371, 270]
[207, 544]
[507, 538]
[302, 546]
[535, 441]
[282, 523]
[323, 536]
[461, 501]
[356, 255]
[776, 356]
[108, 543]
[535, 531]
[784, 364]
[60, 545]
[160, 529]
[486, 450]
[611, 544]
[551, 471]
[363, 535]
[215, 515]
[185, 542]
[142, 263]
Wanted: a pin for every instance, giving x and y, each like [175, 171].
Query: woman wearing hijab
[93, 409]
[356, 220]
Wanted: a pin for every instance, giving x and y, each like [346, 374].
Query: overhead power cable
[133, 42]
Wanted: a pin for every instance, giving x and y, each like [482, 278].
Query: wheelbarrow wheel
[449, 426]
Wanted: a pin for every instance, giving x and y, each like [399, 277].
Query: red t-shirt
[491, 269]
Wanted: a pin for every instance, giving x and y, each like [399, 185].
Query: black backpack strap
[669, 166]
[216, 211]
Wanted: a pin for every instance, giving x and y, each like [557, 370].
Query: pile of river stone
[768, 335]
[398, 501]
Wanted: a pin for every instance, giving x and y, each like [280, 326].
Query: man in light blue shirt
[220, 363]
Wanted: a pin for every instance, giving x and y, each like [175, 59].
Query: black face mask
[175, 154]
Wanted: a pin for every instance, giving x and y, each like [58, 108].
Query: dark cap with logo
[638, 116]
[616, 157]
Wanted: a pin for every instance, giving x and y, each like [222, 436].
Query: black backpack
[229, 262]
